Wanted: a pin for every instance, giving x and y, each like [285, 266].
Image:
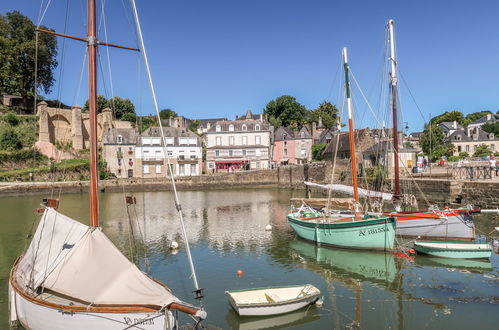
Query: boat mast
[393, 87]
[350, 125]
[92, 103]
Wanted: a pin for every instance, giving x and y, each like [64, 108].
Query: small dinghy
[272, 300]
[458, 250]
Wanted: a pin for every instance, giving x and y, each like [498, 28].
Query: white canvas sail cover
[97, 272]
[54, 238]
[349, 190]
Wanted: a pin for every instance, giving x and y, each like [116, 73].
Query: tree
[449, 116]
[167, 113]
[482, 151]
[102, 103]
[328, 114]
[194, 125]
[436, 139]
[9, 140]
[491, 128]
[129, 116]
[121, 107]
[286, 111]
[17, 56]
[476, 115]
[318, 151]
[463, 155]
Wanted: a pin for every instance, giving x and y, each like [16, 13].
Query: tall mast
[92, 103]
[393, 87]
[350, 125]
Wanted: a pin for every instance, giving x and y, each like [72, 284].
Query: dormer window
[458, 137]
[284, 136]
[218, 128]
[302, 135]
[257, 127]
[491, 136]
[119, 139]
[244, 127]
[231, 128]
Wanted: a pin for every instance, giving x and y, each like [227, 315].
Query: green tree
[436, 138]
[463, 155]
[449, 116]
[318, 151]
[146, 121]
[17, 56]
[328, 114]
[102, 103]
[491, 128]
[194, 126]
[129, 116]
[167, 113]
[482, 151]
[121, 106]
[287, 111]
[476, 115]
[9, 140]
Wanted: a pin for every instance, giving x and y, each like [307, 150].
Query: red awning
[231, 161]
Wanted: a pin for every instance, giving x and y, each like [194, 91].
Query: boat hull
[454, 250]
[254, 305]
[378, 233]
[435, 225]
[39, 316]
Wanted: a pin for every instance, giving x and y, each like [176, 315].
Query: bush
[482, 151]
[317, 151]
[11, 118]
[22, 155]
[453, 158]
[9, 140]
[463, 154]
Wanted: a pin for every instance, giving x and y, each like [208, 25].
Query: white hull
[272, 310]
[38, 317]
[452, 227]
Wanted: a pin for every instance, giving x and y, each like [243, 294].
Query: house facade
[487, 119]
[238, 144]
[184, 153]
[468, 140]
[118, 150]
[292, 147]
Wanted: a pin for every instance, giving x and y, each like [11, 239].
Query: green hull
[455, 253]
[377, 233]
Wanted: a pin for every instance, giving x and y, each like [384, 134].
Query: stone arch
[59, 128]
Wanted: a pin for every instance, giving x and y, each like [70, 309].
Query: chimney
[454, 124]
[314, 129]
[489, 116]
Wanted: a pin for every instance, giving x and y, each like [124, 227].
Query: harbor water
[226, 230]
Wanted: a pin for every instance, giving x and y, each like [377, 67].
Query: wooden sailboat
[72, 276]
[438, 224]
[366, 232]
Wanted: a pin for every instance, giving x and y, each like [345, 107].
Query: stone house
[487, 119]
[468, 140]
[184, 153]
[207, 123]
[449, 127]
[238, 144]
[340, 143]
[292, 147]
[381, 153]
[118, 150]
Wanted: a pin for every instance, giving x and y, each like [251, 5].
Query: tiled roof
[169, 132]
[290, 134]
[238, 124]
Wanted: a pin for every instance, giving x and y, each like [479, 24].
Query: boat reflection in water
[473, 266]
[294, 319]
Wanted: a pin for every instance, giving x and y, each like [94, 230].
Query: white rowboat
[272, 300]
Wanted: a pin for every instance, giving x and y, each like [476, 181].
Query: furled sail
[349, 190]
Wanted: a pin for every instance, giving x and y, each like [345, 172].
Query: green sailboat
[356, 232]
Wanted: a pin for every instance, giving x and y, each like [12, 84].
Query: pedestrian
[493, 164]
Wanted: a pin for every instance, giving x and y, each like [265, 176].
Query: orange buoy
[239, 273]
[412, 251]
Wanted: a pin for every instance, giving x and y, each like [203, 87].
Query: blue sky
[219, 58]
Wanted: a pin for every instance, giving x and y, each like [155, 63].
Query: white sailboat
[73, 277]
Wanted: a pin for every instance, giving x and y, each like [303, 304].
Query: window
[130, 173]
[302, 135]
[181, 169]
[257, 127]
[303, 152]
[258, 139]
[492, 147]
[244, 140]
[157, 154]
[217, 153]
[467, 148]
[244, 127]
[284, 136]
[230, 153]
[458, 148]
[231, 140]
[474, 148]
[285, 152]
[170, 169]
[193, 157]
[119, 139]
[146, 169]
[170, 153]
[458, 137]
[244, 153]
[219, 141]
[193, 169]
[210, 165]
[158, 169]
[218, 128]
[231, 128]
